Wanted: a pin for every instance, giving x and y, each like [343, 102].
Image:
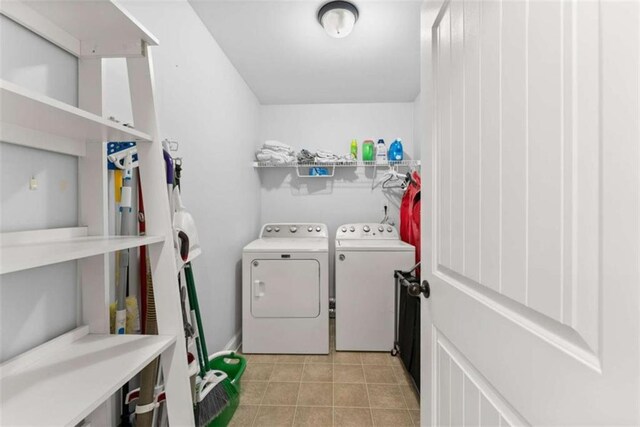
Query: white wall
[36, 305]
[205, 105]
[348, 197]
[419, 116]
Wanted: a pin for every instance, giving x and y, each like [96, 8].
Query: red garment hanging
[410, 215]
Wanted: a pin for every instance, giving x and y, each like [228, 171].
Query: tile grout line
[333, 393]
[366, 388]
[263, 395]
[398, 378]
[295, 410]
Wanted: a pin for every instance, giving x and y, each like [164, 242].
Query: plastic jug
[367, 150]
[396, 151]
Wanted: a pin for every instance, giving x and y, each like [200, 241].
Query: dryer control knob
[277, 229]
[389, 229]
[319, 229]
[269, 229]
[344, 229]
[293, 229]
[310, 229]
[352, 229]
[366, 228]
[380, 228]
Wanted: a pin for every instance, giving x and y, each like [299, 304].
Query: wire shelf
[353, 164]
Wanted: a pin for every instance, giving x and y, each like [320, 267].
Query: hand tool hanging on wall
[123, 157]
[150, 376]
[146, 402]
[125, 160]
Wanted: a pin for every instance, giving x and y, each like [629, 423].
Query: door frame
[429, 12]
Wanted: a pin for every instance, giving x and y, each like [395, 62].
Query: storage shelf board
[100, 28]
[18, 257]
[353, 164]
[60, 383]
[27, 109]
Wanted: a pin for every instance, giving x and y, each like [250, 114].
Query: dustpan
[185, 231]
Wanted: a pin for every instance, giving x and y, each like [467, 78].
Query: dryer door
[285, 288]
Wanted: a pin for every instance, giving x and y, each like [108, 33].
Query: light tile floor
[339, 389]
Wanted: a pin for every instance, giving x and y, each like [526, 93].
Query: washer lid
[288, 245]
[374, 245]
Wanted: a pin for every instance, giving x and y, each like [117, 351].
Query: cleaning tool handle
[201, 357]
[184, 245]
[168, 161]
[193, 301]
[121, 321]
[125, 197]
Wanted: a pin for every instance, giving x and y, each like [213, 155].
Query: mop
[123, 159]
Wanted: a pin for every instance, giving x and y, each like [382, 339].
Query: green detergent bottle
[368, 150]
[354, 149]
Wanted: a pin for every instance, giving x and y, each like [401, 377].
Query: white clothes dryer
[366, 257]
[285, 290]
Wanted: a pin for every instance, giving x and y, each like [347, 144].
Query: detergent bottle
[381, 152]
[396, 151]
[368, 150]
[354, 149]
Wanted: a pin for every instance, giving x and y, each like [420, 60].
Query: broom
[214, 392]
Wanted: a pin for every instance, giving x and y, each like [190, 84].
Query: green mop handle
[193, 301]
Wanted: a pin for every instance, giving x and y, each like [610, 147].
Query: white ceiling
[285, 56]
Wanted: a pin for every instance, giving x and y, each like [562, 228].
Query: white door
[285, 288]
[532, 213]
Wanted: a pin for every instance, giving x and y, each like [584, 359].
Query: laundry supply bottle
[396, 151]
[368, 150]
[381, 152]
[354, 149]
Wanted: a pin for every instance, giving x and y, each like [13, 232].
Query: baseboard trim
[235, 342]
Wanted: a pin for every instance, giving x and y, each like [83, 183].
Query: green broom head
[216, 401]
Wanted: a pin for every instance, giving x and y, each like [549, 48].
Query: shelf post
[158, 222]
[93, 207]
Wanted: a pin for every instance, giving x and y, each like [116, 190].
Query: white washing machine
[366, 257]
[285, 290]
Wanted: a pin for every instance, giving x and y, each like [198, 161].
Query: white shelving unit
[303, 169]
[69, 372]
[27, 117]
[32, 249]
[353, 164]
[71, 378]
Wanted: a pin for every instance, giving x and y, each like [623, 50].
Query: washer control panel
[293, 230]
[367, 231]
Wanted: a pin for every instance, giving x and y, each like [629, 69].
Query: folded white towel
[324, 156]
[276, 157]
[277, 146]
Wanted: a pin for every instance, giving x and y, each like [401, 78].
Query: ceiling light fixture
[338, 18]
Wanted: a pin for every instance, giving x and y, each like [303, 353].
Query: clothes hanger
[391, 175]
[395, 178]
